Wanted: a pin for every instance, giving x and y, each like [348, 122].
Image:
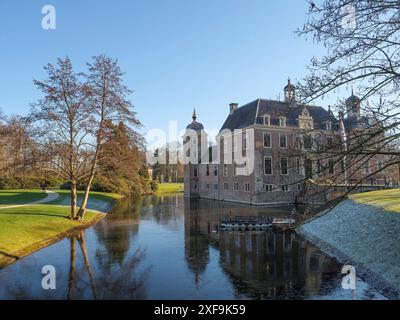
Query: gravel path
[51, 196]
[364, 236]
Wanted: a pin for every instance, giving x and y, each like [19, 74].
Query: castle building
[291, 147]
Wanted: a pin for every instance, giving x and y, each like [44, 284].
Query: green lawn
[25, 226]
[389, 200]
[166, 188]
[8, 197]
[28, 228]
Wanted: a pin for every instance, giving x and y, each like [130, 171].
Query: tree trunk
[73, 200]
[82, 210]
[82, 243]
[71, 278]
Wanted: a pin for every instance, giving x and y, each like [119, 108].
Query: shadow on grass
[36, 214]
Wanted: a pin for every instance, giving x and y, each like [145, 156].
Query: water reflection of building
[196, 241]
[260, 265]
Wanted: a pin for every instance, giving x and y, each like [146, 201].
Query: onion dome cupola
[353, 105]
[197, 126]
[290, 92]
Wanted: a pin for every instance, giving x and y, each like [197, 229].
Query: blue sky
[177, 54]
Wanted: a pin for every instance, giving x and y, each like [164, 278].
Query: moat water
[172, 248]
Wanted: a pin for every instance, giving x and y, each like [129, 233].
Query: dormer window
[328, 126]
[282, 122]
[267, 120]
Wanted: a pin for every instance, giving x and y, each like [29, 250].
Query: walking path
[51, 196]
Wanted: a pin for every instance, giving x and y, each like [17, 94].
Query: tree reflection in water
[121, 282]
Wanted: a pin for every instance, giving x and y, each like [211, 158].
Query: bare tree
[62, 117]
[362, 39]
[108, 103]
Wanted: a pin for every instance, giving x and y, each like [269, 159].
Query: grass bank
[17, 197]
[31, 227]
[389, 200]
[169, 188]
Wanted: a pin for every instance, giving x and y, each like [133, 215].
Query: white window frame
[287, 166]
[270, 140]
[286, 139]
[283, 123]
[272, 167]
[245, 187]
[329, 166]
[268, 187]
[268, 118]
[236, 186]
[328, 126]
[367, 167]
[380, 164]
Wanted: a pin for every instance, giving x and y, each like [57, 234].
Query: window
[268, 166]
[308, 168]
[329, 141]
[235, 186]
[319, 166]
[380, 164]
[266, 120]
[328, 126]
[267, 140]
[366, 167]
[215, 186]
[282, 122]
[225, 170]
[285, 188]
[307, 141]
[207, 170]
[268, 187]
[298, 143]
[247, 187]
[283, 141]
[195, 171]
[331, 167]
[299, 187]
[215, 170]
[284, 166]
[298, 165]
[208, 186]
[226, 186]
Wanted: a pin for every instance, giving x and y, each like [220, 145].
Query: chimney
[233, 107]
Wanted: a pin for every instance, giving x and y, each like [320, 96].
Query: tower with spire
[289, 92]
[353, 106]
[194, 138]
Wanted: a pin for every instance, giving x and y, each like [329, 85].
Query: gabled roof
[254, 112]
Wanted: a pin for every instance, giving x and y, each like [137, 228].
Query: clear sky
[177, 54]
